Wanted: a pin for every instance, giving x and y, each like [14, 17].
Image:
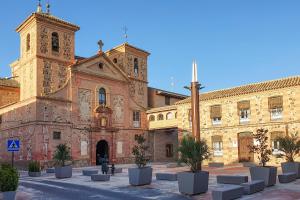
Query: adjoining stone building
[96, 105]
[229, 117]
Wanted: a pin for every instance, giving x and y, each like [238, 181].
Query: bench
[227, 192]
[50, 170]
[166, 176]
[89, 172]
[253, 186]
[235, 180]
[216, 164]
[100, 177]
[287, 177]
[117, 170]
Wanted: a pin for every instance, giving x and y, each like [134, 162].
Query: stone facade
[229, 136]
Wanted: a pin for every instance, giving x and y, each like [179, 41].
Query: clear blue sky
[234, 42]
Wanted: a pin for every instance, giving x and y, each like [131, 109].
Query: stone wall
[230, 126]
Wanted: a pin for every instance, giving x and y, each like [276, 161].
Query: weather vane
[125, 29]
[48, 7]
[172, 83]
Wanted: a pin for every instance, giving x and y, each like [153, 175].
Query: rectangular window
[244, 115]
[276, 107]
[216, 114]
[83, 148]
[167, 100]
[136, 119]
[276, 147]
[119, 147]
[169, 150]
[276, 113]
[218, 148]
[216, 121]
[56, 135]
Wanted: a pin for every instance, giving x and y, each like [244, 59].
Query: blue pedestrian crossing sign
[13, 145]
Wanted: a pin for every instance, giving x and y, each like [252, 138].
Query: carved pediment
[101, 66]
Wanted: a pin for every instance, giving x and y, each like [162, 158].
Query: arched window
[176, 115]
[115, 60]
[152, 118]
[102, 96]
[28, 42]
[136, 66]
[55, 42]
[160, 117]
[169, 116]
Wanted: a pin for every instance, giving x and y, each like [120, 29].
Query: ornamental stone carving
[141, 89]
[47, 77]
[44, 41]
[118, 109]
[129, 64]
[144, 70]
[62, 75]
[84, 101]
[132, 89]
[67, 46]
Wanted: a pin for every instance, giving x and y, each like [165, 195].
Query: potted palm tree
[142, 175]
[62, 157]
[193, 153]
[34, 169]
[9, 181]
[289, 147]
[262, 172]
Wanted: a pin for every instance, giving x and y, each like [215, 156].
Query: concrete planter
[11, 195]
[193, 183]
[34, 174]
[140, 176]
[267, 174]
[63, 172]
[50, 170]
[291, 167]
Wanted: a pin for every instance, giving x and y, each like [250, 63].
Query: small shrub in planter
[193, 153]
[9, 181]
[289, 147]
[262, 172]
[34, 169]
[61, 156]
[142, 175]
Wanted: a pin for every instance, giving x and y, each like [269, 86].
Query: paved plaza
[81, 187]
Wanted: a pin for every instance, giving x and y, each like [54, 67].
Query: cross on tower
[125, 29]
[100, 43]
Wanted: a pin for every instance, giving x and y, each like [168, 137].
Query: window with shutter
[216, 114]
[276, 107]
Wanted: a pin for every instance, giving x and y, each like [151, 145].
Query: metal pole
[12, 158]
[195, 110]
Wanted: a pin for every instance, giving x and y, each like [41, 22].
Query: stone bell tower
[47, 46]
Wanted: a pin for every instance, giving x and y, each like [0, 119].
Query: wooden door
[244, 154]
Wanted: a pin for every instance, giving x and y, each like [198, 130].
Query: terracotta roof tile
[159, 109]
[9, 83]
[50, 17]
[247, 89]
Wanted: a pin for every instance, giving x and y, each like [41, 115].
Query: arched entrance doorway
[102, 150]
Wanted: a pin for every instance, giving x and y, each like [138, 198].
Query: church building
[95, 105]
